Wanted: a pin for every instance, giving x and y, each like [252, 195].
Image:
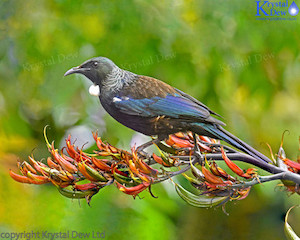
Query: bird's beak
[78, 69]
[72, 70]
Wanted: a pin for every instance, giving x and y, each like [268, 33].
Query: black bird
[152, 107]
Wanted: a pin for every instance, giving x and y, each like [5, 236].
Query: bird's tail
[222, 134]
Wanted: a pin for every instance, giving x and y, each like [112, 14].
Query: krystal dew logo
[266, 10]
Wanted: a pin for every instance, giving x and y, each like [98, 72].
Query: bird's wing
[170, 106]
[149, 97]
[196, 101]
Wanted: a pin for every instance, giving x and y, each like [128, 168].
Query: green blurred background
[246, 70]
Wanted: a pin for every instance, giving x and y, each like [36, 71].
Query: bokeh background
[245, 69]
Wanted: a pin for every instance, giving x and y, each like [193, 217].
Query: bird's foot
[143, 154]
[140, 149]
[197, 152]
[147, 144]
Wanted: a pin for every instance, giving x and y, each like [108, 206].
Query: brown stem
[248, 159]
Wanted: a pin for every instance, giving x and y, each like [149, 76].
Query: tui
[152, 107]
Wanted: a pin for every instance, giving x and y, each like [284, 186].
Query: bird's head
[95, 69]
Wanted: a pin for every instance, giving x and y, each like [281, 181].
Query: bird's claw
[197, 152]
[199, 156]
[143, 154]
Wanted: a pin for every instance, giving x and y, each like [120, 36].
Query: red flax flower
[78, 174]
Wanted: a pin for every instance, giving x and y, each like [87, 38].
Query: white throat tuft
[94, 90]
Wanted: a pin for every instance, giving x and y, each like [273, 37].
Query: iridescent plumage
[152, 107]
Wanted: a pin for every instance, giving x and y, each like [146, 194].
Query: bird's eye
[95, 64]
